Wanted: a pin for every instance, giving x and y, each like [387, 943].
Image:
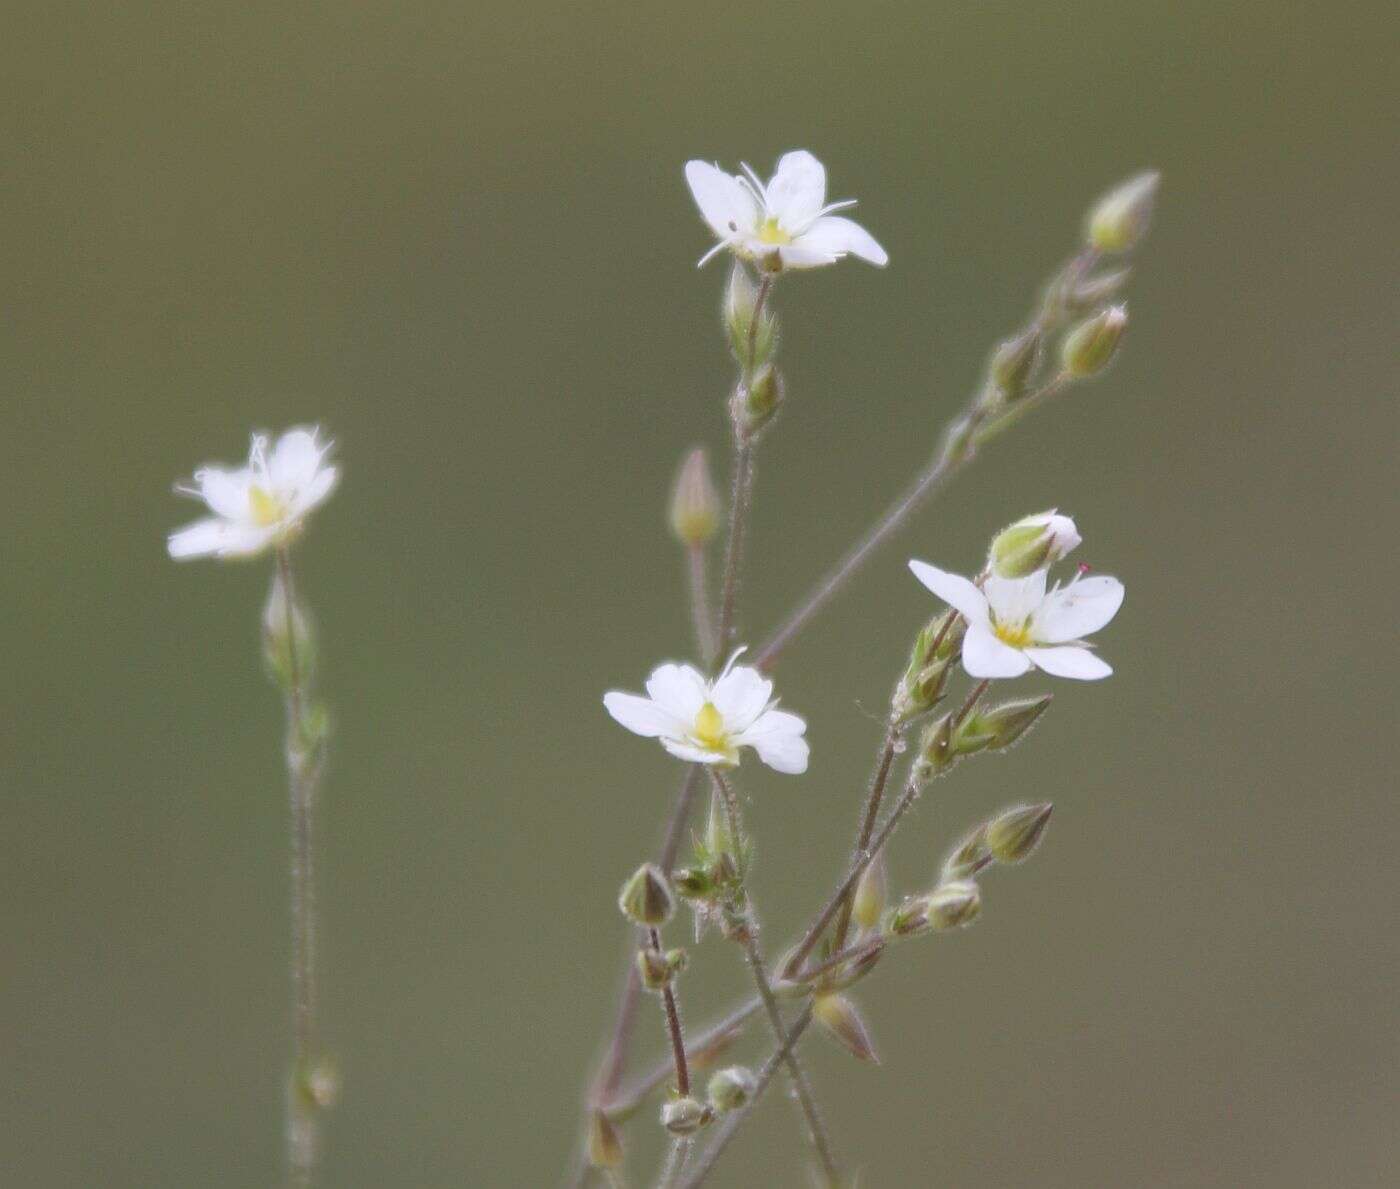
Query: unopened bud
[1120, 218]
[838, 1015]
[1090, 345]
[909, 919]
[1031, 544]
[318, 1082]
[1014, 834]
[757, 401]
[729, 1089]
[852, 971]
[685, 1116]
[921, 687]
[871, 893]
[694, 501]
[936, 751]
[604, 1144]
[969, 856]
[954, 904]
[645, 897]
[288, 644]
[653, 968]
[740, 299]
[1014, 361]
[693, 883]
[1003, 725]
[718, 839]
[1090, 293]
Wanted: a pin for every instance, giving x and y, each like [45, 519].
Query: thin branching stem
[673, 1023]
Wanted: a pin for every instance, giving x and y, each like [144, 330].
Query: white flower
[1014, 623]
[788, 219]
[258, 505]
[707, 722]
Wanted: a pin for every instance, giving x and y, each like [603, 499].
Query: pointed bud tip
[1089, 347]
[694, 511]
[1121, 217]
[1013, 835]
[646, 897]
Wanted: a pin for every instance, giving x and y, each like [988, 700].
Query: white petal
[226, 492]
[724, 201]
[741, 695]
[696, 755]
[983, 655]
[797, 191]
[294, 460]
[220, 538]
[680, 689]
[315, 492]
[1077, 610]
[1068, 661]
[777, 737]
[839, 236]
[954, 590]
[640, 715]
[798, 255]
[1013, 600]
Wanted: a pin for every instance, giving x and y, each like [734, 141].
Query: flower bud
[693, 883]
[718, 840]
[604, 1145]
[936, 751]
[909, 919]
[1090, 345]
[645, 897]
[1093, 292]
[838, 1015]
[653, 968]
[1003, 725]
[954, 904]
[740, 298]
[318, 1082]
[1014, 834]
[288, 647]
[1121, 217]
[1014, 361]
[694, 501]
[969, 857]
[871, 893]
[757, 401]
[852, 971]
[1031, 544]
[729, 1089]
[685, 1116]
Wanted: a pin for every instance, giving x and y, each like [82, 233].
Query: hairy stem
[673, 1025]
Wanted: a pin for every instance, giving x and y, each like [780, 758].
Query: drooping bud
[757, 401]
[1121, 217]
[954, 904]
[1003, 725]
[694, 501]
[729, 1089]
[1088, 348]
[909, 918]
[1014, 834]
[740, 298]
[838, 1015]
[1014, 361]
[1031, 544]
[604, 1144]
[685, 1116]
[871, 893]
[646, 898]
[969, 856]
[288, 644]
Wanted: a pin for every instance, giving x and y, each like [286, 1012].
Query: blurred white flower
[261, 504]
[1014, 623]
[785, 224]
[707, 722]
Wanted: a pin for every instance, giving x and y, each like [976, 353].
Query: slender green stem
[706, 647]
[740, 502]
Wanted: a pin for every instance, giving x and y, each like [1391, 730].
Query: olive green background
[457, 236]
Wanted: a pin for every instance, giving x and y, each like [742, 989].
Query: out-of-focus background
[457, 236]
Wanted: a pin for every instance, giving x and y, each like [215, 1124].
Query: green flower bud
[685, 1116]
[1093, 292]
[604, 1144]
[936, 751]
[954, 904]
[871, 893]
[693, 883]
[694, 501]
[1121, 217]
[909, 919]
[288, 647]
[851, 972]
[1088, 348]
[1014, 834]
[838, 1015]
[740, 297]
[645, 898]
[318, 1082]
[1014, 361]
[729, 1089]
[1031, 544]
[757, 401]
[1003, 725]
[653, 968]
[969, 856]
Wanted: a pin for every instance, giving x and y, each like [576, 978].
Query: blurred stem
[303, 1140]
[706, 647]
[748, 937]
[740, 502]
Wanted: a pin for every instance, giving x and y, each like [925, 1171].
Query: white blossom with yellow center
[261, 504]
[786, 224]
[1015, 623]
[707, 722]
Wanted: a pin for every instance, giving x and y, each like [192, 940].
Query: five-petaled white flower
[258, 505]
[785, 224]
[1014, 623]
[707, 722]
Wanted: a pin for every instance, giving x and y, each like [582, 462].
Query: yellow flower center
[709, 729]
[1018, 635]
[771, 233]
[267, 508]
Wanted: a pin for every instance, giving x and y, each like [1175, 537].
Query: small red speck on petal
[1085, 568]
